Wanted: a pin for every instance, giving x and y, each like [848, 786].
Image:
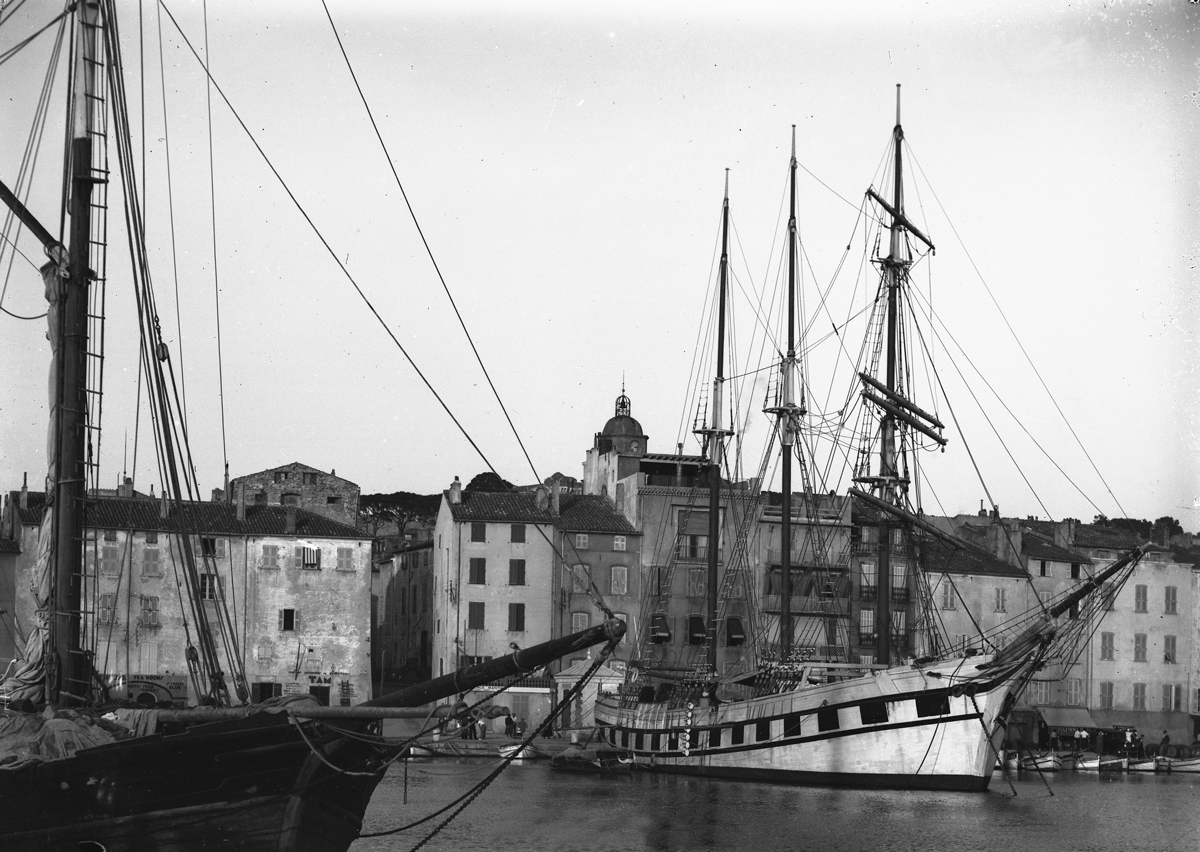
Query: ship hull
[905, 727]
[251, 785]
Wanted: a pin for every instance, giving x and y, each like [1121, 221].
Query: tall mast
[787, 428]
[68, 474]
[894, 268]
[715, 443]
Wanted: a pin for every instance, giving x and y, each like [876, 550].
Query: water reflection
[531, 807]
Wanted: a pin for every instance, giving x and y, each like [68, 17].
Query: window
[1177, 697]
[475, 615]
[1107, 646]
[866, 626]
[270, 556]
[792, 724]
[478, 531]
[658, 580]
[1074, 691]
[1139, 696]
[619, 543]
[1074, 570]
[310, 479]
[873, 712]
[947, 595]
[866, 574]
[697, 634]
[899, 576]
[714, 738]
[1044, 569]
[281, 476]
[149, 611]
[152, 537]
[1139, 647]
[345, 558]
[762, 730]
[1106, 695]
[1039, 692]
[1168, 693]
[619, 580]
[516, 618]
[1001, 600]
[477, 572]
[581, 541]
[737, 735]
[697, 582]
[1139, 599]
[210, 587]
[580, 621]
[1169, 600]
[898, 623]
[110, 559]
[309, 558]
[260, 499]
[151, 564]
[110, 535]
[107, 606]
[289, 499]
[148, 657]
[735, 632]
[517, 534]
[1169, 649]
[660, 628]
[289, 620]
[516, 572]
[333, 500]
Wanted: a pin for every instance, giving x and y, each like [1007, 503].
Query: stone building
[292, 585]
[401, 595]
[301, 486]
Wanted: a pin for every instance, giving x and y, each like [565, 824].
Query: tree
[488, 481]
[399, 508]
[1168, 525]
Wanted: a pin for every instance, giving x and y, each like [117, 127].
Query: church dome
[622, 432]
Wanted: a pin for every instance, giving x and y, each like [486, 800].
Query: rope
[328, 248]
[212, 195]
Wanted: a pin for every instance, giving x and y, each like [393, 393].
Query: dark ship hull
[251, 784]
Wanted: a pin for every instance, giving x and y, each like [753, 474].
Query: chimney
[1005, 543]
[982, 511]
[1064, 533]
[542, 498]
[227, 495]
[455, 492]
[162, 508]
[291, 520]
[125, 489]
[555, 501]
[241, 501]
[218, 495]
[24, 500]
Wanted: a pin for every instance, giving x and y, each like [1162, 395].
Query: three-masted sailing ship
[932, 718]
[280, 776]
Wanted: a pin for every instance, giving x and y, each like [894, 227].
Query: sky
[566, 167]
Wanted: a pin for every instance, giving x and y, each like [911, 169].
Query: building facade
[302, 486]
[291, 587]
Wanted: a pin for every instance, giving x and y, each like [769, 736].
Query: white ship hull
[932, 727]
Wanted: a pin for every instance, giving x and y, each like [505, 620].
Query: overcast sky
[567, 170]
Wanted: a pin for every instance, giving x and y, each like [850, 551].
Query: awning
[660, 630]
[697, 634]
[1067, 717]
[734, 634]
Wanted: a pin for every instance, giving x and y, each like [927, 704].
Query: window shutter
[299, 557]
[296, 621]
[280, 621]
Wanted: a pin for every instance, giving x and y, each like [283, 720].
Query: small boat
[1183, 764]
[1102, 763]
[520, 751]
[1045, 762]
[1150, 764]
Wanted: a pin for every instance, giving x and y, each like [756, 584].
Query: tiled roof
[1036, 547]
[942, 558]
[593, 513]
[220, 518]
[578, 512]
[7, 545]
[35, 503]
[671, 457]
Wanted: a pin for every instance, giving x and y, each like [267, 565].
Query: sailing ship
[928, 718]
[283, 775]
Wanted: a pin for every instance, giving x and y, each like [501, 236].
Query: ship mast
[68, 473]
[714, 437]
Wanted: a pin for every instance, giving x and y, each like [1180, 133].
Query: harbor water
[532, 807]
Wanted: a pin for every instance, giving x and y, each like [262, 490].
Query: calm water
[530, 807]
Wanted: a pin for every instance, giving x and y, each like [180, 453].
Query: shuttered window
[289, 620]
[270, 556]
[345, 559]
